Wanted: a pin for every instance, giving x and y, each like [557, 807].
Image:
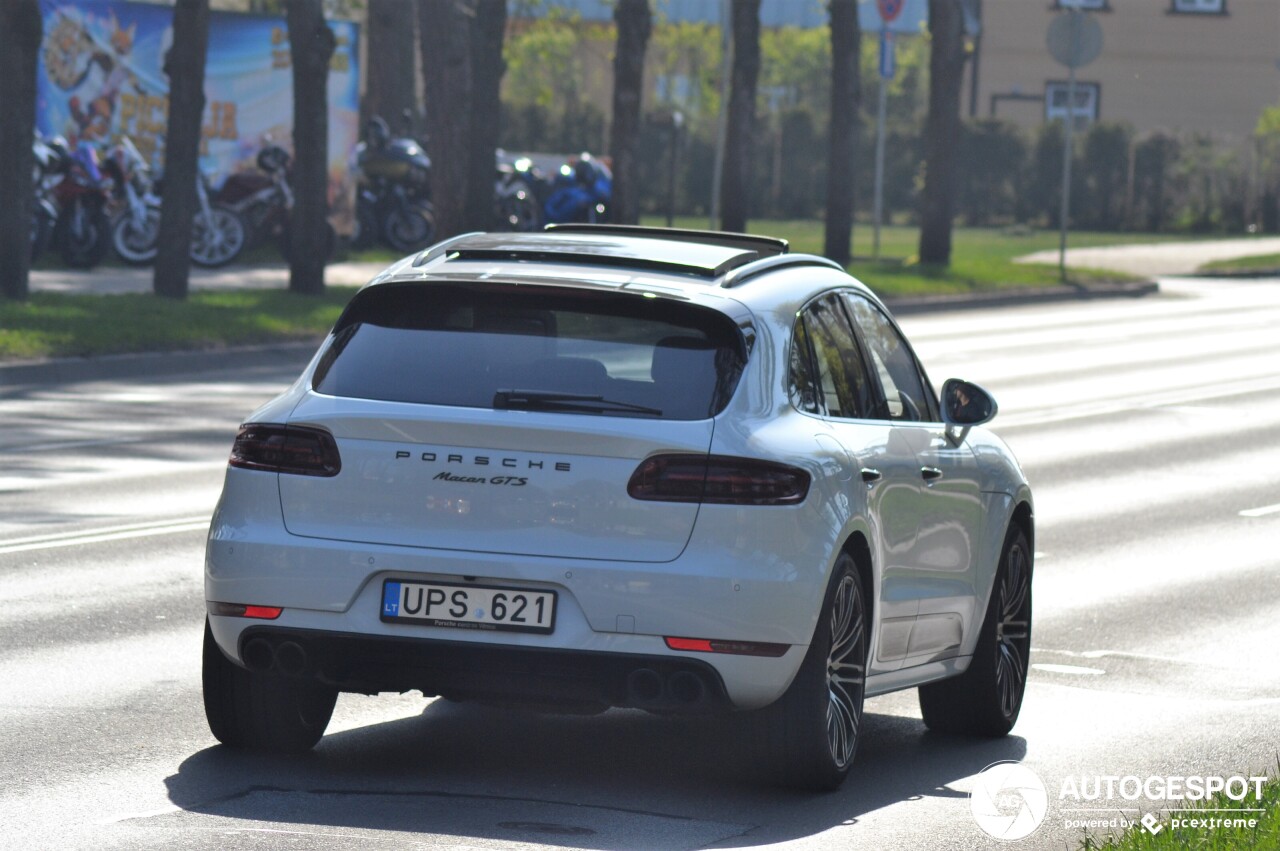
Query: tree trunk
[634, 21]
[390, 86]
[184, 64]
[942, 130]
[487, 68]
[444, 27]
[311, 45]
[735, 190]
[21, 30]
[846, 101]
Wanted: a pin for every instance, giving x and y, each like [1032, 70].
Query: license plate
[485, 607]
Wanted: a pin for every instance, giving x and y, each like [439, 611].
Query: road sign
[1075, 38]
[890, 9]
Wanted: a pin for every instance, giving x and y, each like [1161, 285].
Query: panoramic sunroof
[632, 252]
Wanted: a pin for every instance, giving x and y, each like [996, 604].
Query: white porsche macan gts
[604, 466]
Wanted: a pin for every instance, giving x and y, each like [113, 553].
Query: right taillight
[298, 450]
[718, 479]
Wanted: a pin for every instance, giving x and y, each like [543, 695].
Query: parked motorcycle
[218, 233]
[264, 200]
[393, 191]
[581, 192]
[135, 226]
[518, 195]
[50, 162]
[82, 230]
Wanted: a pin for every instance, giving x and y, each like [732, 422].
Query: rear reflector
[240, 610]
[297, 450]
[718, 479]
[736, 648]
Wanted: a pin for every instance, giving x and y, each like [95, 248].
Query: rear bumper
[568, 679]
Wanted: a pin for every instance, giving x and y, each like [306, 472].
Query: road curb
[1019, 296]
[155, 364]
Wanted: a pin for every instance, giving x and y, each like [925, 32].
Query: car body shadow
[519, 771]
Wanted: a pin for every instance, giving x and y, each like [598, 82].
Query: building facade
[1197, 66]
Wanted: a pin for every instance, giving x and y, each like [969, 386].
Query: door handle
[930, 474]
[870, 476]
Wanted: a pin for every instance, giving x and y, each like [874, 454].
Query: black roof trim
[764, 246]
[742, 274]
[432, 252]
[593, 259]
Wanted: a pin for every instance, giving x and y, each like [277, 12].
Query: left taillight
[297, 450]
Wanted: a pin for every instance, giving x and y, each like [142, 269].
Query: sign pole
[1068, 129]
[886, 74]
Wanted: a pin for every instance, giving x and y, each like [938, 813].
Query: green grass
[1267, 263]
[1265, 835]
[981, 260]
[56, 325]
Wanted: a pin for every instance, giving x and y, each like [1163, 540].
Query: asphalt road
[1147, 428]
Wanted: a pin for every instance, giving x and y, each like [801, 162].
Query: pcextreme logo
[1009, 801]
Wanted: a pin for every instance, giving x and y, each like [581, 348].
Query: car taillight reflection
[718, 479]
[297, 450]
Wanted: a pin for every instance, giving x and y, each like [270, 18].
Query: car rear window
[441, 344]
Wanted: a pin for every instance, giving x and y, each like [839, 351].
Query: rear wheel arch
[859, 550]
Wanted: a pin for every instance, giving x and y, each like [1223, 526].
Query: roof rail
[742, 274]
[765, 246]
[440, 248]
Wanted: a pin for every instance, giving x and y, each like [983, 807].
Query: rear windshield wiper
[539, 400]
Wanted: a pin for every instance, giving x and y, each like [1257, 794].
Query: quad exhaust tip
[288, 657]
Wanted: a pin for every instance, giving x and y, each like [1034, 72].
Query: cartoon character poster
[102, 77]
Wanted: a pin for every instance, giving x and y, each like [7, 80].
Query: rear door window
[463, 346]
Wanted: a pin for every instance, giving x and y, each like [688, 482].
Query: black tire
[137, 245]
[365, 234]
[41, 231]
[412, 229]
[91, 246]
[262, 712]
[985, 700]
[809, 737]
[218, 243]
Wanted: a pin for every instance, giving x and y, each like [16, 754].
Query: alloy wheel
[846, 671]
[1013, 634]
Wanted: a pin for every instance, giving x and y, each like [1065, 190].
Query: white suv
[621, 467]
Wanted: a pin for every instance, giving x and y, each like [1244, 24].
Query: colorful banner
[102, 77]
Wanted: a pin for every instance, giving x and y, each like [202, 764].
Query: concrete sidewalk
[113, 280]
[1155, 259]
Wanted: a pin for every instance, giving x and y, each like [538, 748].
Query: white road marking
[1066, 669]
[112, 533]
[1261, 512]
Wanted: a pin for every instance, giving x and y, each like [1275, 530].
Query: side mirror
[966, 404]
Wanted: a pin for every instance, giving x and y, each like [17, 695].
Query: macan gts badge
[607, 466]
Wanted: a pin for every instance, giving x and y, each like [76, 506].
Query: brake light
[736, 648]
[241, 610]
[718, 479]
[276, 448]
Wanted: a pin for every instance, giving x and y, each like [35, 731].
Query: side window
[904, 388]
[801, 384]
[841, 378]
